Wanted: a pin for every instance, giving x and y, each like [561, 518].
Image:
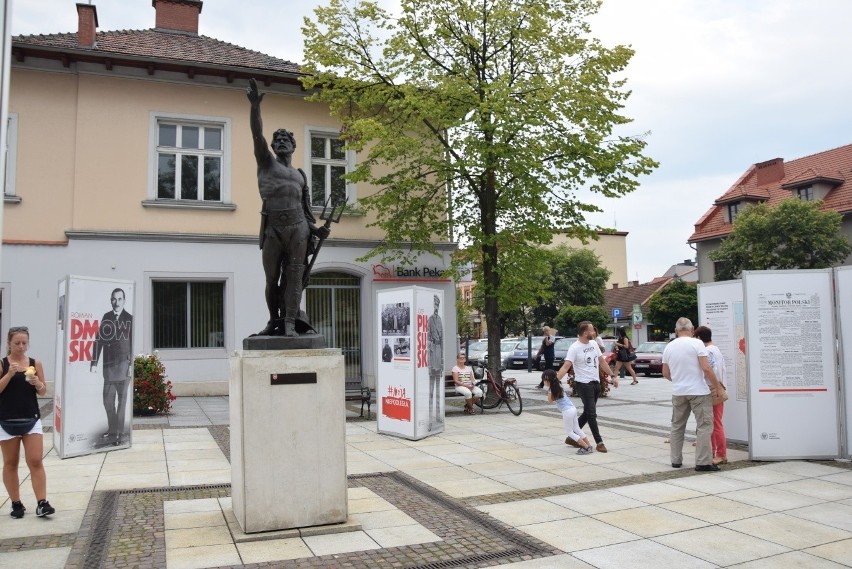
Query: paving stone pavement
[490, 490]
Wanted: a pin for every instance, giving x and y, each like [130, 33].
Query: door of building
[333, 304]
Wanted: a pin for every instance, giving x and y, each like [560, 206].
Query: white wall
[32, 273]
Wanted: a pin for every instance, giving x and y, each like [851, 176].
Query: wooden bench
[356, 391]
[450, 386]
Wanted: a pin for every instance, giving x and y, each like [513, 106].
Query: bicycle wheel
[490, 398]
[513, 399]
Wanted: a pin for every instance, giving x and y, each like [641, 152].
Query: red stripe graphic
[789, 390]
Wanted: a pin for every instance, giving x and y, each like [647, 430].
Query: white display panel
[91, 324]
[720, 308]
[411, 334]
[59, 365]
[843, 293]
[793, 400]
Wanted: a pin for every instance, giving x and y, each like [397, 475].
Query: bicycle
[495, 393]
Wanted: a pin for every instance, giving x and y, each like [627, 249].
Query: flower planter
[152, 391]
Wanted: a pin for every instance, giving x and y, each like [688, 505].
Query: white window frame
[349, 157]
[153, 160]
[11, 157]
[173, 354]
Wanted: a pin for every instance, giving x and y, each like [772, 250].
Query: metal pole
[529, 353]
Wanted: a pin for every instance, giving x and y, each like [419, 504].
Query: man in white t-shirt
[585, 357]
[685, 365]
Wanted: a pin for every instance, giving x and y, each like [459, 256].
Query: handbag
[18, 427]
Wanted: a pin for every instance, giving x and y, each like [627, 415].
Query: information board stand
[790, 338]
[410, 388]
[843, 295]
[94, 325]
[720, 307]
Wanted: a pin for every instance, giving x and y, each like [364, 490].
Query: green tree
[795, 234]
[486, 118]
[569, 316]
[677, 299]
[578, 278]
[526, 278]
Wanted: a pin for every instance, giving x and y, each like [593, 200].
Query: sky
[718, 85]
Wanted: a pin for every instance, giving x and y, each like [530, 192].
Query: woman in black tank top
[20, 385]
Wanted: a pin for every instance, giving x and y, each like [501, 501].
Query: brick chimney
[177, 15]
[614, 286]
[635, 283]
[770, 171]
[87, 25]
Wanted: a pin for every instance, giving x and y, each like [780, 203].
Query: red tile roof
[625, 297]
[832, 166]
[159, 45]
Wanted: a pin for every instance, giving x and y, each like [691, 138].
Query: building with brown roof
[130, 157]
[825, 176]
[621, 303]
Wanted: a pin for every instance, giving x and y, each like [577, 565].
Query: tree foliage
[566, 277]
[795, 234]
[578, 279]
[569, 316]
[487, 118]
[677, 299]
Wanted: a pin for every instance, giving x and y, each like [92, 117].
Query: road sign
[616, 313]
[637, 317]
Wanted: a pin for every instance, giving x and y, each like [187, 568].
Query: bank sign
[395, 273]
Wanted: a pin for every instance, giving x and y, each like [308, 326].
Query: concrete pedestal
[288, 430]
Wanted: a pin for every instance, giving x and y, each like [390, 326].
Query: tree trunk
[488, 205]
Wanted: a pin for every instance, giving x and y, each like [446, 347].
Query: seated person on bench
[463, 378]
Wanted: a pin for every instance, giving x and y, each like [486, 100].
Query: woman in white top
[463, 378]
[717, 362]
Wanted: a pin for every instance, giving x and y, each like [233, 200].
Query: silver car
[476, 352]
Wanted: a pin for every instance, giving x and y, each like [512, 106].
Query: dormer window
[806, 193]
[733, 210]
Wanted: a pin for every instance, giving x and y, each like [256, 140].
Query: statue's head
[283, 142]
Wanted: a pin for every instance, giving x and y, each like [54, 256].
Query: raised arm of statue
[261, 150]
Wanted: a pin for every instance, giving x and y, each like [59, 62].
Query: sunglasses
[16, 329]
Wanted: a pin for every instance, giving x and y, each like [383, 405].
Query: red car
[608, 354]
[649, 358]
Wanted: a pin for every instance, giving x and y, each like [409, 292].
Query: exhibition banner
[410, 335]
[429, 365]
[395, 386]
[843, 295]
[720, 308]
[95, 393]
[793, 395]
[59, 366]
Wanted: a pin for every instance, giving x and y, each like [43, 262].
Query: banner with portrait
[94, 385]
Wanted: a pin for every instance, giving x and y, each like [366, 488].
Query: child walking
[555, 394]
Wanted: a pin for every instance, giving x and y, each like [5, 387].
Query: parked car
[560, 350]
[476, 352]
[609, 354]
[649, 357]
[518, 359]
[507, 348]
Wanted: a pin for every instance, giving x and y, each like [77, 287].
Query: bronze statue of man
[287, 225]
